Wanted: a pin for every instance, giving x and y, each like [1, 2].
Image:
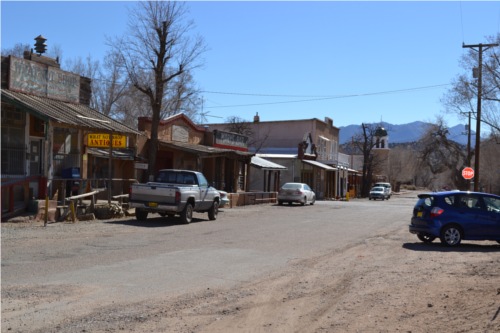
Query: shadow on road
[156, 222]
[438, 247]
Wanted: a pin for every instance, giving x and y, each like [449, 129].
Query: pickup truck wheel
[187, 214]
[141, 215]
[213, 211]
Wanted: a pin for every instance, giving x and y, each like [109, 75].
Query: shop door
[35, 157]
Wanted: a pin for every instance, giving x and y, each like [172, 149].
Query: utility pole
[468, 148]
[480, 49]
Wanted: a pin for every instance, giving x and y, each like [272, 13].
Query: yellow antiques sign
[102, 141]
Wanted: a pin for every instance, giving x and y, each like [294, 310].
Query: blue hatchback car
[455, 216]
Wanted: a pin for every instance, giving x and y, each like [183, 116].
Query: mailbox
[72, 177]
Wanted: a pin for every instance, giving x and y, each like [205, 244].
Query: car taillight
[436, 211]
[298, 192]
[177, 197]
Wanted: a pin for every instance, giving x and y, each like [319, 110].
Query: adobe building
[307, 148]
[221, 156]
[47, 129]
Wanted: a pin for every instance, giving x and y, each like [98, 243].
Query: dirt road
[386, 283]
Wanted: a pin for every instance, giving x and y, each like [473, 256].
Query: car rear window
[450, 200]
[176, 177]
[425, 201]
[292, 186]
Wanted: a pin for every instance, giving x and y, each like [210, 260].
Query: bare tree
[239, 125]
[441, 155]
[156, 51]
[109, 85]
[256, 140]
[461, 98]
[403, 168]
[363, 143]
[17, 50]
[490, 177]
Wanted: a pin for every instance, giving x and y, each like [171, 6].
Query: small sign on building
[141, 166]
[101, 140]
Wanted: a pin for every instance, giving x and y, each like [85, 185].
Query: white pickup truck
[175, 192]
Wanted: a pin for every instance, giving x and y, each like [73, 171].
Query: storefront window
[13, 145]
[65, 149]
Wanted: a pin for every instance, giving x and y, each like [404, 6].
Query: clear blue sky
[351, 61]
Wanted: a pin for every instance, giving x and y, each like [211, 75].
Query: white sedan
[296, 192]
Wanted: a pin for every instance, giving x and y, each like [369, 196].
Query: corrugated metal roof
[202, 149]
[289, 156]
[265, 164]
[66, 113]
[319, 165]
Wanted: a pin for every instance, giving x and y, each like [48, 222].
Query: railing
[119, 186]
[9, 185]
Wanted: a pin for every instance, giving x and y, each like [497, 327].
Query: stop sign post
[468, 173]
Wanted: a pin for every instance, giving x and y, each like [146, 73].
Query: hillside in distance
[406, 133]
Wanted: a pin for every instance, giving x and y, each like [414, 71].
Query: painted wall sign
[230, 140]
[42, 80]
[102, 140]
[180, 133]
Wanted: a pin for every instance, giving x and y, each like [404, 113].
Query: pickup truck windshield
[173, 177]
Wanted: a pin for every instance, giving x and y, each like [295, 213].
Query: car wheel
[369, 198]
[426, 238]
[289, 203]
[498, 241]
[313, 200]
[213, 211]
[451, 235]
[187, 214]
[141, 215]
[304, 202]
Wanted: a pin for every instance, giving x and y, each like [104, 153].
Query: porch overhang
[319, 165]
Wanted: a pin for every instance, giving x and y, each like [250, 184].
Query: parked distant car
[224, 199]
[378, 192]
[454, 216]
[388, 188]
[296, 192]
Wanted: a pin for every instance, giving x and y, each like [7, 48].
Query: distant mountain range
[407, 132]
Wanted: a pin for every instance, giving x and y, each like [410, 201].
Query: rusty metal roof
[202, 150]
[77, 115]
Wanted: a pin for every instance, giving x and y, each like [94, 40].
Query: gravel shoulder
[388, 283]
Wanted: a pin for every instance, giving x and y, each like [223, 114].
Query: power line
[309, 97]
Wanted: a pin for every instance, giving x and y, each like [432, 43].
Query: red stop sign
[468, 173]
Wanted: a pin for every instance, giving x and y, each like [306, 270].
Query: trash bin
[72, 177]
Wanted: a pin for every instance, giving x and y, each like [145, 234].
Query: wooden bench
[73, 202]
[120, 197]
